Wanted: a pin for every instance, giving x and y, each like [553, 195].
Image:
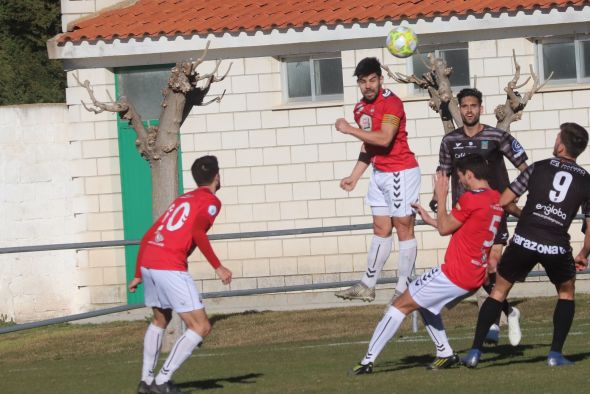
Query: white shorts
[392, 193]
[433, 290]
[170, 290]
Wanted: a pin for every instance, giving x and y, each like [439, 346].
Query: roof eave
[261, 43]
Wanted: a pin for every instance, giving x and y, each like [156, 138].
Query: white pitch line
[415, 339]
[336, 344]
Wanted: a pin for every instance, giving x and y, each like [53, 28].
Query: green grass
[293, 352]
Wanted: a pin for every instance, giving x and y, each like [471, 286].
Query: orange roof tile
[155, 18]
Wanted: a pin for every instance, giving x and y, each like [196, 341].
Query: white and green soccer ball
[401, 42]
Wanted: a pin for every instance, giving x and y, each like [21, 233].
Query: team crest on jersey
[484, 144]
[212, 209]
[366, 122]
[158, 237]
[517, 149]
[387, 92]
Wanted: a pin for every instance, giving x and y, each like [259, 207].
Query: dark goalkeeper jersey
[557, 188]
[492, 144]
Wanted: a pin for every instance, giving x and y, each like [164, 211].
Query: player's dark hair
[204, 170]
[469, 92]
[474, 163]
[367, 66]
[574, 137]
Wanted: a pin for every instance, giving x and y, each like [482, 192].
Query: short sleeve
[521, 184]
[512, 149]
[464, 207]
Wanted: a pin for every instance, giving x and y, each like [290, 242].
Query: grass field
[292, 352]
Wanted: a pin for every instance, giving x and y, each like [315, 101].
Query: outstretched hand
[424, 214]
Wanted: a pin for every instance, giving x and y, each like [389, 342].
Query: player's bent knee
[205, 329]
[566, 290]
[201, 328]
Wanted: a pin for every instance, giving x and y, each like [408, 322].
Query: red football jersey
[368, 116]
[468, 251]
[173, 237]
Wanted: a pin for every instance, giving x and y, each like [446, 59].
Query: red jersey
[468, 251]
[368, 116]
[173, 237]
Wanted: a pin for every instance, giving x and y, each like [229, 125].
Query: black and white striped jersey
[492, 144]
[557, 189]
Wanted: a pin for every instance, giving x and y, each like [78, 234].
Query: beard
[471, 123]
[370, 100]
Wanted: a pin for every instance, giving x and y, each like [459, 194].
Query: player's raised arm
[445, 165]
[382, 137]
[446, 223]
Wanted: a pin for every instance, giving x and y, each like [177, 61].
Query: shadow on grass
[215, 318]
[418, 361]
[496, 354]
[509, 360]
[217, 382]
[501, 353]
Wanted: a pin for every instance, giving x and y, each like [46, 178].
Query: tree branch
[436, 82]
[511, 110]
[145, 140]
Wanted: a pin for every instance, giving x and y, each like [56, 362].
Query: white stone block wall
[38, 197]
[281, 166]
[75, 9]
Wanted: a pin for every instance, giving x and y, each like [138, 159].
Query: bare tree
[158, 145]
[515, 102]
[436, 82]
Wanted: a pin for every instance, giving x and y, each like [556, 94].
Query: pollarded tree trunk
[443, 102]
[159, 144]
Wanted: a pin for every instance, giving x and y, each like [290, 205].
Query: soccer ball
[401, 42]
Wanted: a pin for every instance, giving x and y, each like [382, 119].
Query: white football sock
[182, 349]
[152, 341]
[379, 251]
[405, 264]
[436, 330]
[384, 331]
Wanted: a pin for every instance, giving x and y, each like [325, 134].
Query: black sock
[506, 308]
[489, 312]
[491, 282]
[563, 316]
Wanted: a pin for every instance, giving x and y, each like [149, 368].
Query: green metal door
[143, 87]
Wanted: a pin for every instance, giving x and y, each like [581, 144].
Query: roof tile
[170, 18]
